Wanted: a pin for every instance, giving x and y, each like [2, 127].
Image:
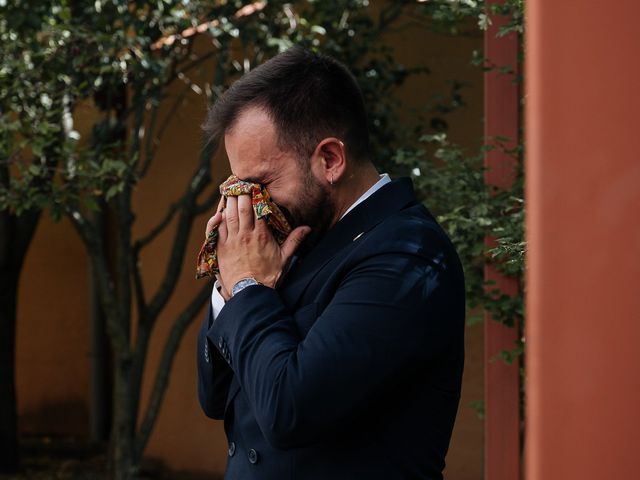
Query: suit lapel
[389, 199]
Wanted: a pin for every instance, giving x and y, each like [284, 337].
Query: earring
[331, 181]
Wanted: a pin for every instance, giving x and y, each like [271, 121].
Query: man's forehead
[253, 117]
[252, 146]
[246, 163]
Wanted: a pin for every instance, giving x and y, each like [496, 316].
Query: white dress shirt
[217, 300]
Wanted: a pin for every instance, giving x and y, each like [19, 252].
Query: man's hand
[211, 224]
[216, 219]
[247, 249]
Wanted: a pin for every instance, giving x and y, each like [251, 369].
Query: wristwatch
[242, 284]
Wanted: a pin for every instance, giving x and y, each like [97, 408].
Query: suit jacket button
[253, 456]
[232, 449]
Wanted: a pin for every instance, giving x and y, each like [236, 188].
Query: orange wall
[52, 344]
[184, 439]
[52, 352]
[502, 381]
[583, 193]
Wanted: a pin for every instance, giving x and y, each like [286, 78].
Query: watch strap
[242, 284]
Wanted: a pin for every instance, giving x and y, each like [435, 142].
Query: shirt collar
[384, 179]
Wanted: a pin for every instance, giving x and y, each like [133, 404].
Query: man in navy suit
[339, 354]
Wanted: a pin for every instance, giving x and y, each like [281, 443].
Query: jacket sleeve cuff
[245, 314]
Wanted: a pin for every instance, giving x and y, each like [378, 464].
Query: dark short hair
[309, 96]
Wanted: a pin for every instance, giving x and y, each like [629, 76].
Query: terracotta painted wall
[52, 350]
[52, 332]
[583, 193]
[184, 439]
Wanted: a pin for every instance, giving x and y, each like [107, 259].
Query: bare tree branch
[95, 248]
[189, 209]
[136, 134]
[164, 368]
[123, 259]
[141, 305]
[143, 335]
[196, 62]
[185, 222]
[199, 181]
[210, 201]
[149, 237]
[152, 145]
[151, 140]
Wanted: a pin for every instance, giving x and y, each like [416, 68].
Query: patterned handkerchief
[207, 265]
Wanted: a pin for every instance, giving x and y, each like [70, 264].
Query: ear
[329, 160]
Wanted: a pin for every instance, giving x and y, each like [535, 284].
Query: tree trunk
[101, 371]
[9, 458]
[123, 466]
[16, 234]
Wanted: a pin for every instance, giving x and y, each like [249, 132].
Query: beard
[315, 208]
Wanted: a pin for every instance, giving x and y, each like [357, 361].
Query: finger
[213, 223]
[222, 229]
[221, 203]
[262, 228]
[231, 215]
[293, 241]
[245, 213]
[260, 224]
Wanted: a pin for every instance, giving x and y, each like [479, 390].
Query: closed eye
[253, 180]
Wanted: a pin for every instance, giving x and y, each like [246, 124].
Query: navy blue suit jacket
[351, 369]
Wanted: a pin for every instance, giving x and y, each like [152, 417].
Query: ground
[52, 458]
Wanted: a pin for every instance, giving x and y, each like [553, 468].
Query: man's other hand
[211, 224]
[217, 217]
[247, 249]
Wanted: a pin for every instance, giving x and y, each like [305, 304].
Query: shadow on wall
[69, 416]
